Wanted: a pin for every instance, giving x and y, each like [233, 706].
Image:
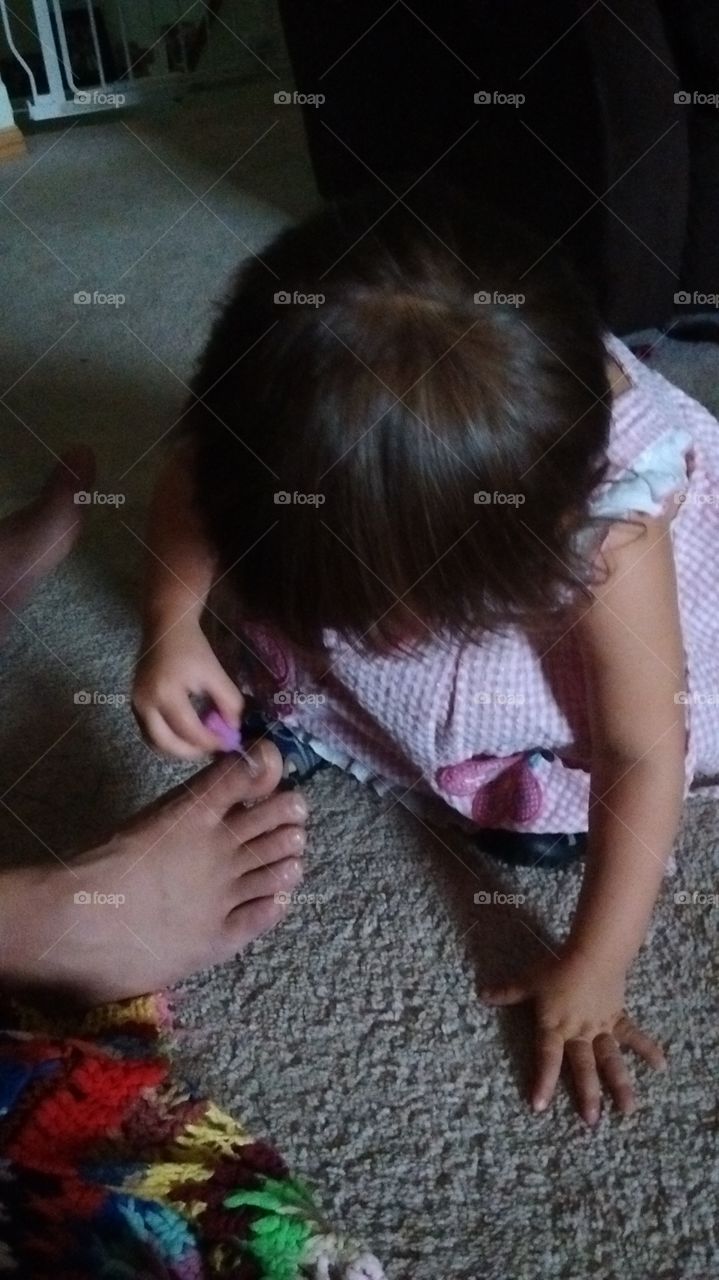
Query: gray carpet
[353, 1034]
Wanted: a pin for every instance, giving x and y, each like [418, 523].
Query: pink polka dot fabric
[498, 730]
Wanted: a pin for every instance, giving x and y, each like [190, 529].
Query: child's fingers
[185, 723]
[587, 1086]
[161, 736]
[630, 1037]
[550, 1052]
[505, 993]
[226, 697]
[614, 1072]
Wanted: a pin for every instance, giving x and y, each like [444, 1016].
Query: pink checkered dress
[496, 733]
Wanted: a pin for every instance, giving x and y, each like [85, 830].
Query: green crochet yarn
[278, 1246]
[280, 1235]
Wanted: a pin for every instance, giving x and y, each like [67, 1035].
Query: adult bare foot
[186, 884]
[35, 539]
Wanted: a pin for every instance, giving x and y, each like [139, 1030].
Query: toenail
[298, 838]
[299, 807]
[255, 766]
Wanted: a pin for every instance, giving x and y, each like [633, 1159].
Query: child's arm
[635, 667]
[176, 659]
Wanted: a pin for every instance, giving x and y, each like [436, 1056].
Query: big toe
[236, 780]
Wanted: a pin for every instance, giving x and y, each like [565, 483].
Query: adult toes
[276, 879]
[279, 810]
[251, 919]
[266, 850]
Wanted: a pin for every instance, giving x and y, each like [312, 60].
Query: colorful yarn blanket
[111, 1168]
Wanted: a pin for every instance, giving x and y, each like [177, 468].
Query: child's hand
[581, 1017]
[179, 664]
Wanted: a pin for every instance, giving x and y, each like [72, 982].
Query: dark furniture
[597, 157]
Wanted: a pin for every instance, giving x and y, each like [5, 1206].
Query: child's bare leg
[186, 884]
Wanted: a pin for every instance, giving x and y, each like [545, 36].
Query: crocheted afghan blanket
[110, 1168]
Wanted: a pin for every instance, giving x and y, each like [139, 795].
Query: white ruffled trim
[659, 471]
[427, 807]
[342, 759]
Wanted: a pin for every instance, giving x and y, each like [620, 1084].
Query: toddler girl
[470, 549]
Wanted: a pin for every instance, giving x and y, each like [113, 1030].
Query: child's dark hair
[401, 405]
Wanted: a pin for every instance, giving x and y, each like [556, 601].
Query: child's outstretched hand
[580, 1017]
[181, 664]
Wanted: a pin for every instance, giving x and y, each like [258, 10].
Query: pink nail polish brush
[230, 739]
